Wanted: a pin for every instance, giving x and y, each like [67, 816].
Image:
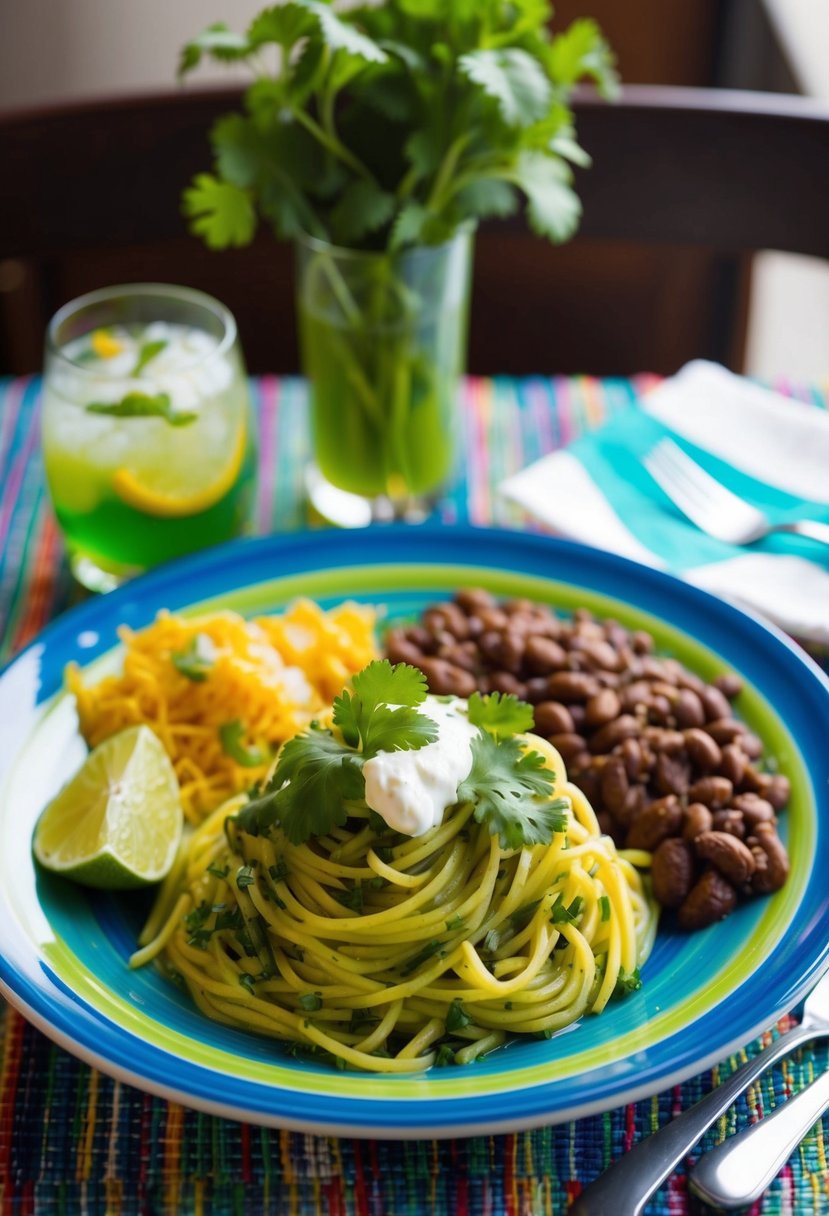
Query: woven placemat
[74, 1141]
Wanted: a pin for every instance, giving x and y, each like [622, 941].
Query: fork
[712, 507]
[736, 1172]
[626, 1186]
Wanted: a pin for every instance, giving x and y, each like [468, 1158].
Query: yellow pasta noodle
[272, 675]
[393, 953]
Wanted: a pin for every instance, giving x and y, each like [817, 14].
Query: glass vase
[383, 341]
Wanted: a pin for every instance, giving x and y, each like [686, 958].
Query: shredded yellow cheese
[271, 674]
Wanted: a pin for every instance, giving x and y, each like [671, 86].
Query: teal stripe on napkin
[613, 457]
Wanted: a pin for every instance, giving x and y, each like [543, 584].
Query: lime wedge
[117, 823]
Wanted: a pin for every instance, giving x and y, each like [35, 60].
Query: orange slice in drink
[172, 491]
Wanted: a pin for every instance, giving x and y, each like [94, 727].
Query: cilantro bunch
[384, 126]
[319, 776]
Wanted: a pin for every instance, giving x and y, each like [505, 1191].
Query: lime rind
[117, 822]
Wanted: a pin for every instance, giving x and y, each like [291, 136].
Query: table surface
[73, 1140]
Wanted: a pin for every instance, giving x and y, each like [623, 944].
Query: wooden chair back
[685, 185]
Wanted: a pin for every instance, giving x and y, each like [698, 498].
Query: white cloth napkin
[771, 449]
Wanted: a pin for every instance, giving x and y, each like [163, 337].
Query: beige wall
[56, 49]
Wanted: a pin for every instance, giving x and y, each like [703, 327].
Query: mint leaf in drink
[143, 405]
[147, 353]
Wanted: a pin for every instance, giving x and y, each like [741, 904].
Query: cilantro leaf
[362, 207]
[625, 984]
[143, 405]
[514, 78]
[502, 714]
[231, 735]
[220, 211]
[553, 207]
[364, 716]
[582, 51]
[219, 42]
[315, 776]
[510, 790]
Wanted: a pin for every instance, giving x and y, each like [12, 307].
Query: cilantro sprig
[319, 774]
[391, 125]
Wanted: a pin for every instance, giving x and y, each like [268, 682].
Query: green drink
[383, 345]
[148, 442]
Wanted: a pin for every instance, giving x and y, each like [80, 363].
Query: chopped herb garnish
[429, 951]
[445, 1055]
[231, 735]
[604, 907]
[278, 872]
[310, 1002]
[196, 660]
[625, 984]
[246, 981]
[457, 1017]
[561, 915]
[218, 871]
[245, 877]
[352, 899]
[454, 923]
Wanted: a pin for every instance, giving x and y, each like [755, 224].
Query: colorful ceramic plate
[63, 951]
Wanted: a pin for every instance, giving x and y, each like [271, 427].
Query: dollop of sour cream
[412, 789]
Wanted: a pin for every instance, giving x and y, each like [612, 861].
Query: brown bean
[400, 650]
[715, 792]
[543, 655]
[725, 730]
[727, 854]
[602, 708]
[754, 809]
[506, 682]
[729, 821]
[614, 784]
[710, 899]
[729, 684]
[714, 703]
[536, 690]
[613, 733]
[703, 751]
[697, 819]
[493, 619]
[752, 746]
[641, 642]
[771, 860]
[473, 599]
[461, 654]
[779, 791]
[570, 686]
[733, 762]
[636, 801]
[600, 655]
[671, 774]
[444, 679]
[666, 742]
[654, 824]
[672, 872]
[553, 718]
[568, 746]
[688, 709]
[633, 756]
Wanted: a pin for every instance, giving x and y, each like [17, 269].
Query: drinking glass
[383, 338]
[148, 433]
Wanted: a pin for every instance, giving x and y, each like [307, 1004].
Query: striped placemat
[74, 1141]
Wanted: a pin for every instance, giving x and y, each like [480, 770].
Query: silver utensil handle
[627, 1185]
[807, 527]
[736, 1172]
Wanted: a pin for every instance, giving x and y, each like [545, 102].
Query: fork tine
[710, 505]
